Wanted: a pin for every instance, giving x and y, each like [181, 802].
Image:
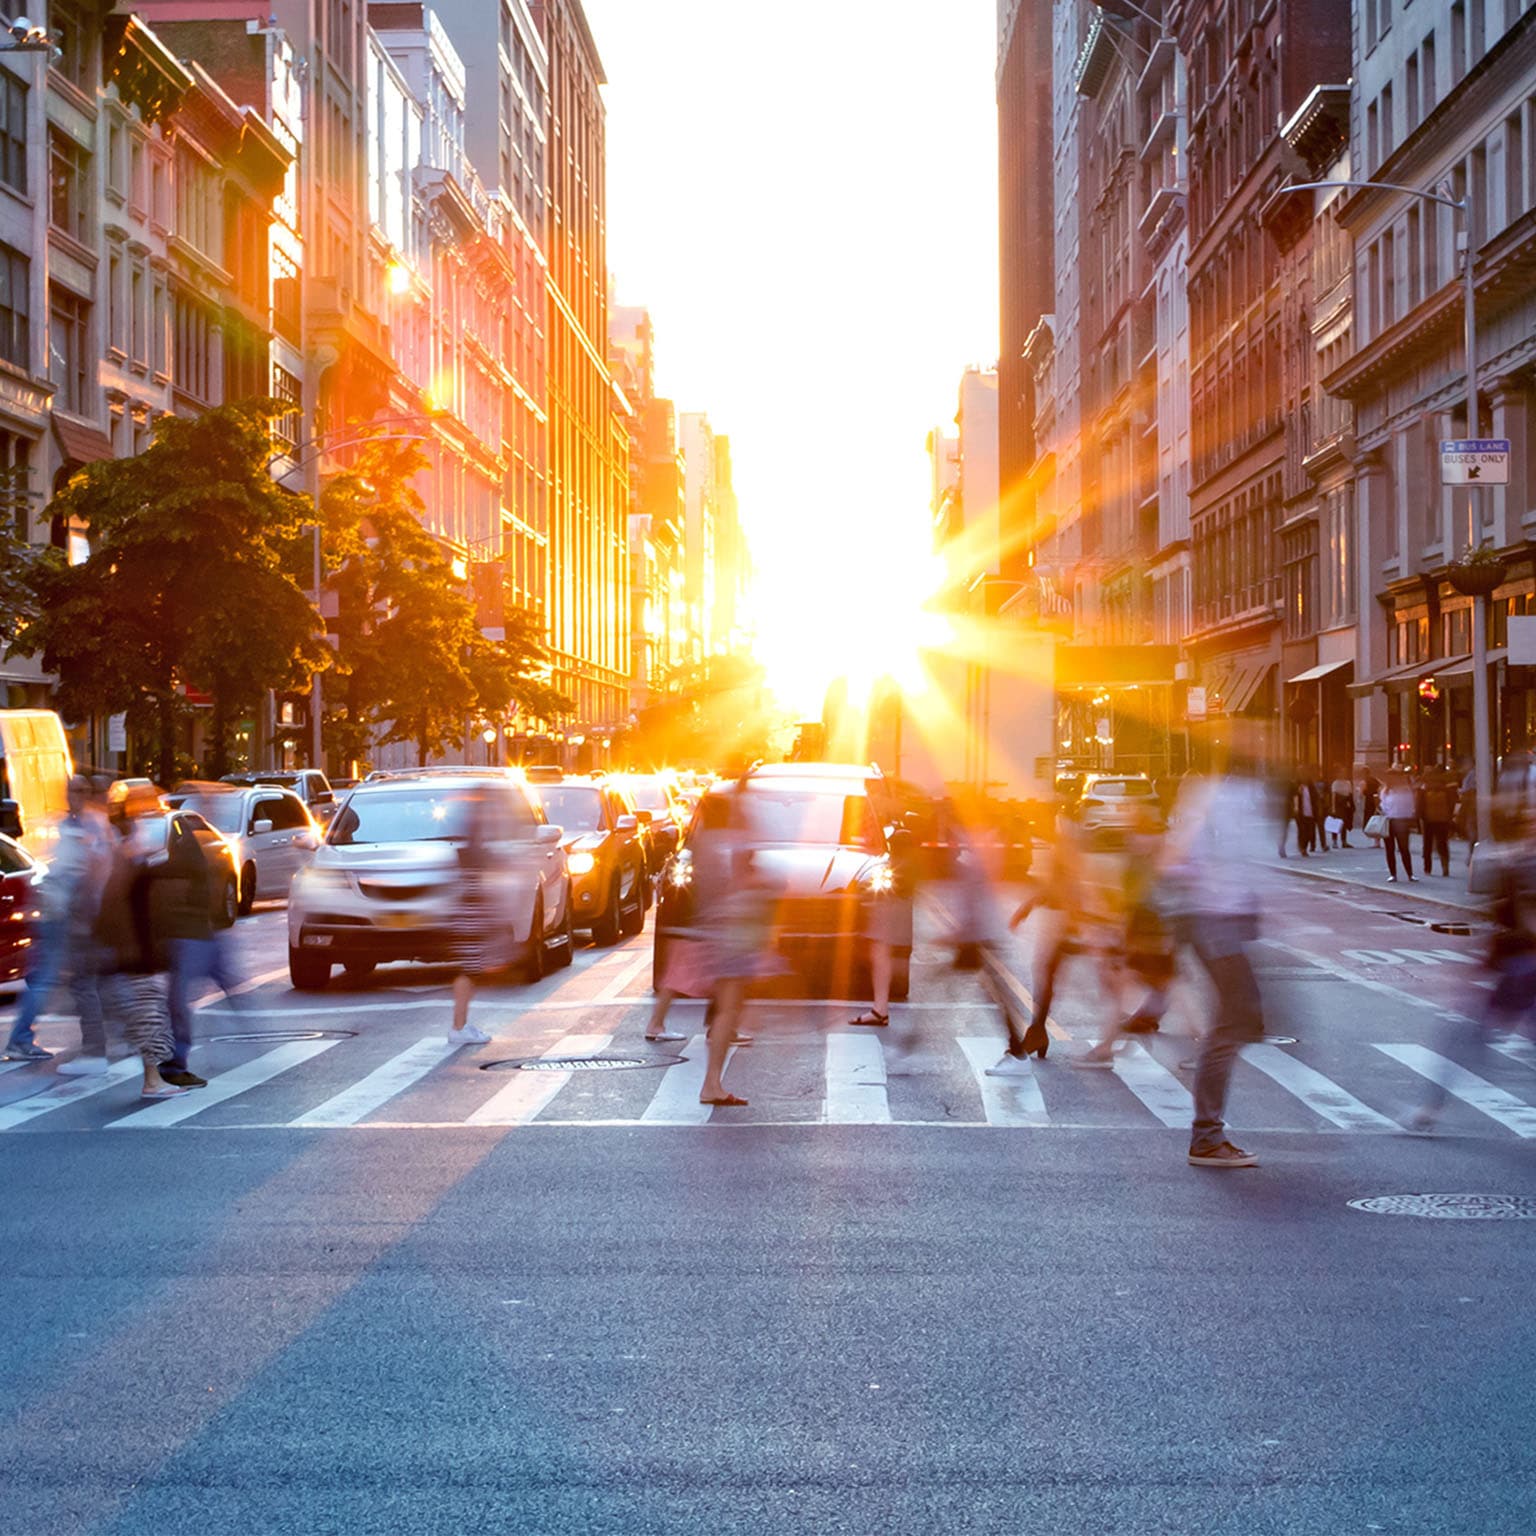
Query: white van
[34, 776]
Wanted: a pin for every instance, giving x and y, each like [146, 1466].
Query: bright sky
[805, 198]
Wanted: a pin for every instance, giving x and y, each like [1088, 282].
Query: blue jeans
[1217, 942]
[50, 944]
[194, 960]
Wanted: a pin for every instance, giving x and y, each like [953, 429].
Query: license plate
[316, 940]
[398, 920]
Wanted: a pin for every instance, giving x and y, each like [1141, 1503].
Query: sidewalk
[1365, 865]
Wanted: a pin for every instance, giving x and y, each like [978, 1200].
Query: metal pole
[1482, 748]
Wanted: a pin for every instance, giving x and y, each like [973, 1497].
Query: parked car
[20, 876]
[819, 840]
[601, 835]
[386, 884]
[271, 832]
[309, 784]
[1113, 804]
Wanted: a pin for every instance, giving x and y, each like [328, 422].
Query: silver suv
[1113, 804]
[271, 833]
[386, 883]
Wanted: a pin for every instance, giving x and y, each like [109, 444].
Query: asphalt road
[972, 1309]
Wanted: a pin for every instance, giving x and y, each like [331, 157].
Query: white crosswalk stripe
[381, 1085]
[529, 1093]
[1512, 1113]
[798, 1075]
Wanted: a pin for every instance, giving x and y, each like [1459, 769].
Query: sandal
[873, 1018]
[666, 1037]
[731, 1099]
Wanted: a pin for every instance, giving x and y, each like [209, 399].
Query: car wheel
[567, 950]
[308, 972]
[247, 889]
[229, 902]
[533, 964]
[605, 926]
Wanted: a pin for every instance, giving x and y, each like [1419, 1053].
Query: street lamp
[1482, 749]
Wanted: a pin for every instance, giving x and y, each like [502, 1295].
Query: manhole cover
[1450, 928]
[281, 1036]
[580, 1063]
[1279, 1040]
[1452, 1207]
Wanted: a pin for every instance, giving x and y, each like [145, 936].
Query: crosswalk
[795, 1075]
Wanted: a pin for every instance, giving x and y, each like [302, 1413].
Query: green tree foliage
[192, 581]
[413, 664]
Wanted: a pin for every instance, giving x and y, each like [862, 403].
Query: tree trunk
[166, 712]
[423, 751]
[219, 763]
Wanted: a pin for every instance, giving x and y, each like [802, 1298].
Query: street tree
[191, 582]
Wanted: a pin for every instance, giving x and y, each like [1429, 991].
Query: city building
[1444, 97]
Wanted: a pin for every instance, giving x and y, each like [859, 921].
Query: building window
[287, 388]
[69, 350]
[13, 133]
[117, 327]
[75, 35]
[69, 204]
[192, 370]
[117, 160]
[138, 317]
[15, 308]
[285, 296]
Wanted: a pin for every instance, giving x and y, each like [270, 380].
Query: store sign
[117, 733]
[1522, 640]
[1194, 704]
[1474, 461]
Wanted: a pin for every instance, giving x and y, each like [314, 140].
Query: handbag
[1376, 826]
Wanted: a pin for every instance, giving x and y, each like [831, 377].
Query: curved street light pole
[1482, 746]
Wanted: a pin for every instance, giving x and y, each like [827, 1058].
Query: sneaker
[1090, 1061]
[1224, 1156]
[182, 1077]
[1422, 1122]
[31, 1051]
[471, 1034]
[1011, 1066]
[83, 1066]
[165, 1091]
[1391, 879]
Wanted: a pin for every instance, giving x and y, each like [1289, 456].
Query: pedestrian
[1437, 810]
[1307, 809]
[1369, 795]
[197, 949]
[68, 896]
[1399, 809]
[1511, 963]
[482, 947]
[1342, 791]
[885, 913]
[1285, 788]
[134, 939]
[1214, 911]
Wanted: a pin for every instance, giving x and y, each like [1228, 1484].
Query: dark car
[20, 875]
[818, 833]
[663, 814]
[602, 841]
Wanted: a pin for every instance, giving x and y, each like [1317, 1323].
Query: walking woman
[1343, 791]
[1399, 807]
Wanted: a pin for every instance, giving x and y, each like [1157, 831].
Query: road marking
[1512, 1113]
[1155, 1086]
[615, 988]
[70, 1091]
[1023, 994]
[1369, 983]
[250, 1074]
[249, 985]
[676, 1100]
[528, 1092]
[1518, 1048]
[379, 1086]
[1320, 1094]
[855, 1066]
[1006, 1100]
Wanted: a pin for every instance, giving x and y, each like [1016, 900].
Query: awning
[1318, 673]
[1248, 685]
[80, 441]
[1463, 668]
[1407, 676]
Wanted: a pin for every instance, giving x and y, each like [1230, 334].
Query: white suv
[386, 883]
[1113, 804]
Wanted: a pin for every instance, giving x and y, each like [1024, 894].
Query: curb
[1470, 906]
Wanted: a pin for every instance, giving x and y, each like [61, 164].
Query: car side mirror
[626, 824]
[548, 834]
[645, 818]
[10, 819]
[258, 827]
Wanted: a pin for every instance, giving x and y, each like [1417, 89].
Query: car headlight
[880, 880]
[581, 863]
[680, 872]
[317, 881]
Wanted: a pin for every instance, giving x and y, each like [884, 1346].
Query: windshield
[1119, 789]
[649, 795]
[421, 815]
[803, 815]
[223, 812]
[576, 807]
